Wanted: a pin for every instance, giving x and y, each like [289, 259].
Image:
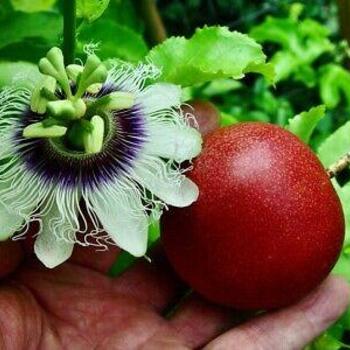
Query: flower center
[54, 160]
[75, 117]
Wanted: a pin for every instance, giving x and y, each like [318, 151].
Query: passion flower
[88, 145]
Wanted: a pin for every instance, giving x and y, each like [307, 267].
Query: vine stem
[69, 28]
[340, 165]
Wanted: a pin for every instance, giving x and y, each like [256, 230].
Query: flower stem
[340, 165]
[69, 28]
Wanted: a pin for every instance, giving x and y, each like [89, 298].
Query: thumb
[291, 328]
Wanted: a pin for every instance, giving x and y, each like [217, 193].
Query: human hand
[77, 306]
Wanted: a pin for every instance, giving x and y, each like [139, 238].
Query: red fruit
[206, 114]
[267, 227]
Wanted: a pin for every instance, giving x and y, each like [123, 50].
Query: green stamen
[115, 101]
[76, 133]
[38, 130]
[76, 117]
[93, 141]
[62, 109]
[94, 72]
[120, 100]
[94, 88]
[66, 109]
[80, 108]
[73, 70]
[39, 101]
[51, 122]
[53, 65]
[48, 94]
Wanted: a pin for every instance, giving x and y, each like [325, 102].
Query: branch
[343, 15]
[148, 11]
[340, 165]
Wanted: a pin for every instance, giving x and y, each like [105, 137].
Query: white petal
[49, 247]
[160, 96]
[52, 251]
[175, 142]
[9, 222]
[167, 184]
[131, 78]
[20, 193]
[122, 216]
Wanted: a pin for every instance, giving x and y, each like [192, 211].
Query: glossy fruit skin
[268, 226]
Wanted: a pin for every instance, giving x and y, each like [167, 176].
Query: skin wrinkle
[15, 313]
[53, 317]
[48, 318]
[80, 308]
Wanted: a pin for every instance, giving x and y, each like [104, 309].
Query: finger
[20, 319]
[198, 321]
[153, 282]
[291, 328]
[92, 258]
[11, 255]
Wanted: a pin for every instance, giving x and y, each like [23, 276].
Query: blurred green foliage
[183, 16]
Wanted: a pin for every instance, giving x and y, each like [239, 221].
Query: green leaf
[304, 123]
[335, 146]
[332, 338]
[227, 119]
[301, 42]
[211, 53]
[342, 267]
[344, 321]
[32, 5]
[126, 260]
[20, 26]
[18, 74]
[284, 63]
[6, 9]
[281, 31]
[334, 82]
[220, 87]
[125, 14]
[27, 50]
[91, 9]
[306, 74]
[311, 28]
[292, 35]
[327, 342]
[344, 196]
[113, 40]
